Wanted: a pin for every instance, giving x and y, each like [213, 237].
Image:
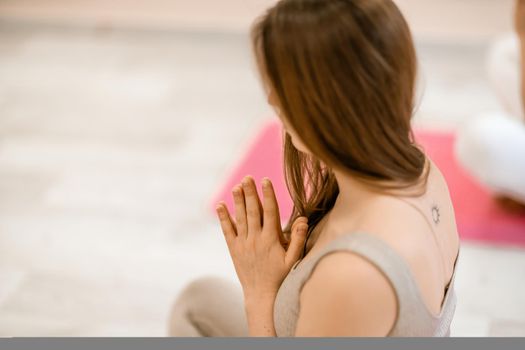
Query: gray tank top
[413, 317]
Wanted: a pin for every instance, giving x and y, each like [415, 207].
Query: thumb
[298, 237]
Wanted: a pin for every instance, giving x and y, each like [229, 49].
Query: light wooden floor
[448, 20]
[112, 142]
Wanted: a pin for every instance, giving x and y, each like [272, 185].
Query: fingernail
[266, 182]
[248, 186]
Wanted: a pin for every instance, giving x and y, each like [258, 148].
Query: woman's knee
[200, 288]
[189, 301]
[202, 306]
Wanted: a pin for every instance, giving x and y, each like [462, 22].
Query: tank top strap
[420, 211]
[388, 261]
[429, 223]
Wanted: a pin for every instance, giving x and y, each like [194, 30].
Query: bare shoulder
[422, 230]
[346, 295]
[409, 223]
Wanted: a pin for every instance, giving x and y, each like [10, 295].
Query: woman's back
[423, 231]
[420, 232]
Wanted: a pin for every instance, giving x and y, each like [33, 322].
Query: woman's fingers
[240, 211]
[253, 213]
[298, 221]
[250, 213]
[261, 209]
[296, 243]
[270, 206]
[228, 229]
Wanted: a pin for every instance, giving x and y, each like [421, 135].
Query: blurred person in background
[372, 244]
[492, 147]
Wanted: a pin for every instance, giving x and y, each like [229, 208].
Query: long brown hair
[344, 74]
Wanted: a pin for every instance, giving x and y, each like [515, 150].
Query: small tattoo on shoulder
[436, 216]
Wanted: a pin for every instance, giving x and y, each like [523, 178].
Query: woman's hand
[255, 240]
[519, 18]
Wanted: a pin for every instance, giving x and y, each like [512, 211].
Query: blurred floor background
[118, 121]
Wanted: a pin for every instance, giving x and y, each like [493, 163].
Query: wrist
[259, 314]
[258, 299]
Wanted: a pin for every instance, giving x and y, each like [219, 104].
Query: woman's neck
[352, 198]
[353, 194]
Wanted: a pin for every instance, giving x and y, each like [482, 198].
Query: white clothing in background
[492, 146]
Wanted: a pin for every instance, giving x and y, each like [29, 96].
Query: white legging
[492, 146]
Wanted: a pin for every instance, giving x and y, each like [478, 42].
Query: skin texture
[254, 241]
[367, 303]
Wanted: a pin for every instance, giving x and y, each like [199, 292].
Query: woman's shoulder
[422, 231]
[357, 295]
[406, 227]
[407, 222]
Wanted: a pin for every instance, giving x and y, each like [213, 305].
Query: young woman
[372, 245]
[492, 147]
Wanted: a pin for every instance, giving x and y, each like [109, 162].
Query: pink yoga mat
[478, 216]
[263, 158]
